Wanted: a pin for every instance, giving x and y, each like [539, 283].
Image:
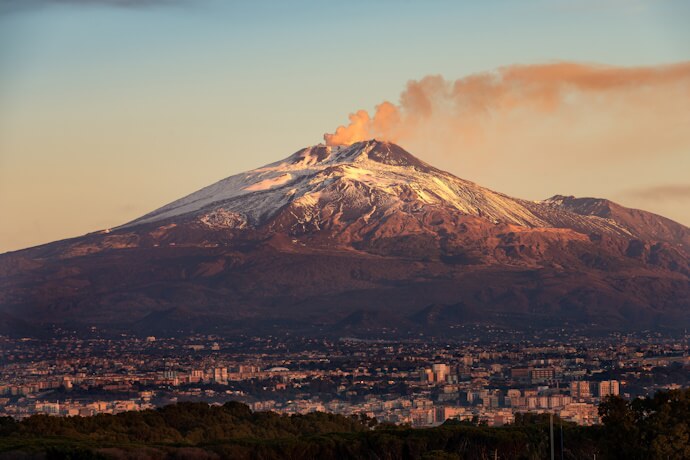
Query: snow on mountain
[383, 169]
[370, 178]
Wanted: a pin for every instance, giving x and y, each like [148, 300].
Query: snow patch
[222, 218]
[269, 183]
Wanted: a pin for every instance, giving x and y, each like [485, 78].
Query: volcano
[361, 239]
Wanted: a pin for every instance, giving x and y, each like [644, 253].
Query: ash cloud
[564, 108]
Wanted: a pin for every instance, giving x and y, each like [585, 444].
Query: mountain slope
[335, 237]
[640, 224]
[368, 173]
[376, 176]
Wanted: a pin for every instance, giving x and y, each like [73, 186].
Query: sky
[112, 108]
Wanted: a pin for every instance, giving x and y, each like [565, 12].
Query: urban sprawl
[487, 376]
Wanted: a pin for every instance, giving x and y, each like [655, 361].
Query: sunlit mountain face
[362, 238]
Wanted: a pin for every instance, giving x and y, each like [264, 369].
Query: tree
[622, 433]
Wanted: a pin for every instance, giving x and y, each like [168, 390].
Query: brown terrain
[358, 241]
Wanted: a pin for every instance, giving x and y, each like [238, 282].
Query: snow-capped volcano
[361, 231]
[341, 186]
[376, 174]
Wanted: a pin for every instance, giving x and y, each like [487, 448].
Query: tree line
[650, 428]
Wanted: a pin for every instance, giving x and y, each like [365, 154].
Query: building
[520, 373]
[608, 388]
[541, 374]
[580, 389]
[440, 371]
[220, 375]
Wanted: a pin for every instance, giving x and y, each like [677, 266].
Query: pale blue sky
[109, 109]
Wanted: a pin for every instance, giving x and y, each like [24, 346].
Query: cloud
[563, 110]
[668, 192]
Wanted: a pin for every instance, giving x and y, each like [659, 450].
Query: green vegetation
[652, 428]
[655, 428]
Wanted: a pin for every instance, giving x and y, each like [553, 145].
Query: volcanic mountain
[358, 239]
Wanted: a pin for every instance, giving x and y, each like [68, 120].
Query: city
[487, 377]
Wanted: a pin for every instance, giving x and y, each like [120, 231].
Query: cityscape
[489, 377]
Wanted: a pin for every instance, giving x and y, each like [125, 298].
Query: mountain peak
[383, 152]
[634, 222]
[364, 178]
[392, 154]
[583, 205]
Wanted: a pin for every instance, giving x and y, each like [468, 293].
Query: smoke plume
[563, 108]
